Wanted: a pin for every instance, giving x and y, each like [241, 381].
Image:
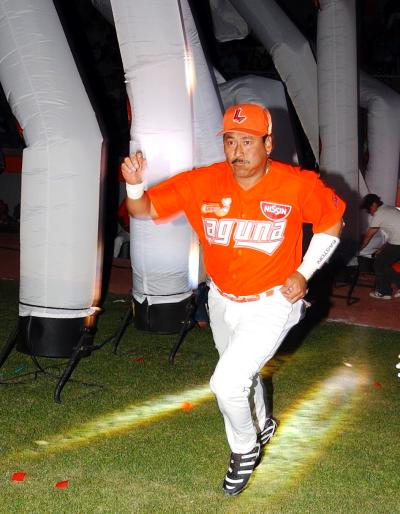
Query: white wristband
[135, 191]
[319, 251]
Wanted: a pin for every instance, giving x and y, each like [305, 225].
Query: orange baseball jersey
[252, 240]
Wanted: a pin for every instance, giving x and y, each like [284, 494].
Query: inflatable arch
[176, 116]
[325, 96]
[60, 258]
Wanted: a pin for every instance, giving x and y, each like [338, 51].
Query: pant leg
[261, 399]
[385, 274]
[221, 330]
[256, 330]
[260, 396]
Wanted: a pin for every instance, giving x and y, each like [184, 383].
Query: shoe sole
[236, 493]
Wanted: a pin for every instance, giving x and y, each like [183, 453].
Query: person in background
[387, 218]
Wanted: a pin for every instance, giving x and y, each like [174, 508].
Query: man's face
[372, 210]
[246, 154]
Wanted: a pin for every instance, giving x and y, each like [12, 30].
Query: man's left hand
[295, 287]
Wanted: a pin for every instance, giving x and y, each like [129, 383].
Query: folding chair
[363, 276]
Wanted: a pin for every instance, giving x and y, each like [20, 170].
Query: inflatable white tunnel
[333, 96]
[175, 109]
[314, 96]
[60, 177]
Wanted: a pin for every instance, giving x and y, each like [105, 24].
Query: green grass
[345, 460]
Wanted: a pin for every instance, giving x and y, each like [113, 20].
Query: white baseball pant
[246, 336]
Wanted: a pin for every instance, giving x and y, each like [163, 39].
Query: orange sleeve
[321, 207]
[169, 198]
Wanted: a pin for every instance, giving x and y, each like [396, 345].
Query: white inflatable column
[337, 101]
[383, 106]
[158, 75]
[60, 176]
[207, 108]
[207, 120]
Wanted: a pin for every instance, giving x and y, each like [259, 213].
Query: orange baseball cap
[252, 119]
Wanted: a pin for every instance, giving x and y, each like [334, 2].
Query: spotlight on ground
[304, 433]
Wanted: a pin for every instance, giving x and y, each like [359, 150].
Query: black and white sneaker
[241, 466]
[269, 430]
[381, 296]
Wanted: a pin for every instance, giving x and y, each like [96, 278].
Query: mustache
[240, 161]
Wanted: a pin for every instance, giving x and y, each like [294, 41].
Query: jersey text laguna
[264, 236]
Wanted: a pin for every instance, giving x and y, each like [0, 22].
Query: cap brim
[243, 131]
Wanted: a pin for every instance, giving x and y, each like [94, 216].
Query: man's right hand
[138, 202]
[133, 168]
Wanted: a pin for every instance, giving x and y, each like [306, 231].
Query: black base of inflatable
[49, 337]
[164, 318]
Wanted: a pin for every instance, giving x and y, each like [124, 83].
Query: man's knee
[229, 386]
